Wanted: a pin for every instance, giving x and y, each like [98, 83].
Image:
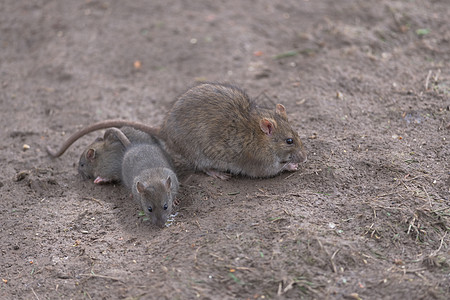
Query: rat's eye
[165, 206]
[289, 141]
[150, 209]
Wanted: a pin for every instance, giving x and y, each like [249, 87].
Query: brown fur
[216, 127]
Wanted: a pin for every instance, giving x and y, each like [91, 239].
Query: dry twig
[93, 199]
[440, 246]
[427, 80]
[35, 294]
[281, 291]
[428, 196]
[102, 276]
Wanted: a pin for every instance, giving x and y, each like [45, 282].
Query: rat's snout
[83, 173]
[300, 156]
[161, 223]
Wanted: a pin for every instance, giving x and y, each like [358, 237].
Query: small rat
[216, 128]
[102, 159]
[148, 173]
[94, 153]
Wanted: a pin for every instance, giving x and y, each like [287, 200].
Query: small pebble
[25, 147]
[22, 175]
[137, 64]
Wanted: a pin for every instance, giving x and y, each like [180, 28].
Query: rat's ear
[168, 183]
[90, 154]
[281, 110]
[267, 125]
[140, 187]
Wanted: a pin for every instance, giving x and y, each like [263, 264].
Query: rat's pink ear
[90, 154]
[267, 126]
[140, 187]
[168, 183]
[281, 110]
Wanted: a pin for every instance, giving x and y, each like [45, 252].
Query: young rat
[91, 164]
[148, 173]
[217, 128]
[102, 160]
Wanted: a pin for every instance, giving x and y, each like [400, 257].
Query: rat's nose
[161, 223]
[301, 156]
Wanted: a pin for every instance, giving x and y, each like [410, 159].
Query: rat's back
[140, 157]
[205, 121]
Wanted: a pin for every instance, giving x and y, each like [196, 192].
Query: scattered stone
[22, 175]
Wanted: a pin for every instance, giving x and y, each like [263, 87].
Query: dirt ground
[365, 83]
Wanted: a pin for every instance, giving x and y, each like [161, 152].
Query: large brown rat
[217, 128]
[147, 171]
[102, 159]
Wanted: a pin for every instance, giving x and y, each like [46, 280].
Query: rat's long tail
[101, 125]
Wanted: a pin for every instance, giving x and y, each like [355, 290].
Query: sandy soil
[366, 85]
